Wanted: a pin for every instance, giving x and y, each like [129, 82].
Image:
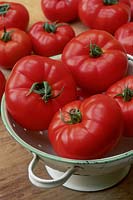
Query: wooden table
[14, 159]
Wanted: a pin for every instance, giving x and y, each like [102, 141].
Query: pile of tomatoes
[85, 98]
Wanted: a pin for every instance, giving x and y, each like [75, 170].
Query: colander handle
[43, 183]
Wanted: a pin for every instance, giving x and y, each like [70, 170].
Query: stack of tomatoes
[84, 98]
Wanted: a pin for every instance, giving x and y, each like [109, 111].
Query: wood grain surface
[14, 159]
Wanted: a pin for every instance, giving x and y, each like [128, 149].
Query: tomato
[131, 2]
[105, 15]
[14, 44]
[37, 87]
[96, 60]
[13, 15]
[125, 35]
[60, 10]
[2, 84]
[122, 92]
[82, 94]
[49, 39]
[86, 129]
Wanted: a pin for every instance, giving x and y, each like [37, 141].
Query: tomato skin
[17, 47]
[126, 106]
[31, 110]
[97, 15]
[50, 43]
[82, 94]
[2, 84]
[60, 10]
[98, 132]
[16, 16]
[131, 2]
[125, 36]
[95, 74]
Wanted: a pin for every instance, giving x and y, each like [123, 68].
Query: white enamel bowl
[80, 175]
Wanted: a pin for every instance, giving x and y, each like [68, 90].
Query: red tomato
[49, 39]
[125, 36]
[14, 44]
[131, 2]
[105, 15]
[2, 84]
[82, 94]
[36, 89]
[13, 15]
[86, 129]
[122, 92]
[60, 10]
[96, 60]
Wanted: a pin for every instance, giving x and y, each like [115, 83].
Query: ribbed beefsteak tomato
[37, 87]
[60, 10]
[96, 60]
[14, 44]
[13, 14]
[86, 129]
[125, 36]
[49, 39]
[106, 15]
[122, 92]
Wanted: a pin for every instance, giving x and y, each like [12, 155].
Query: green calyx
[6, 35]
[110, 2]
[74, 116]
[50, 28]
[95, 50]
[4, 8]
[44, 90]
[127, 94]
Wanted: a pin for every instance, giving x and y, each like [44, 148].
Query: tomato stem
[44, 90]
[74, 115]
[95, 50]
[50, 28]
[4, 8]
[127, 94]
[6, 35]
[110, 2]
